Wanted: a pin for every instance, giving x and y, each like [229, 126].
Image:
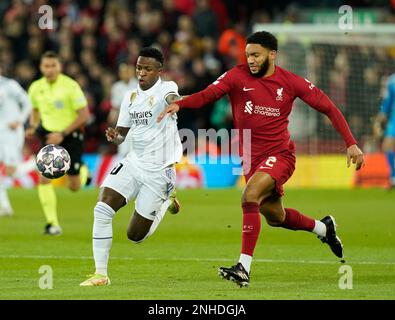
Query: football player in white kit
[147, 173]
[15, 108]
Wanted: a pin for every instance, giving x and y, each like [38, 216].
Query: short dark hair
[151, 52]
[265, 39]
[50, 54]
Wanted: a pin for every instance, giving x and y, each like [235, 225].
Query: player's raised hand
[355, 155]
[171, 109]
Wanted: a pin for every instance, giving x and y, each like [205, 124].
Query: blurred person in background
[231, 45]
[384, 126]
[205, 19]
[25, 73]
[15, 108]
[127, 82]
[59, 115]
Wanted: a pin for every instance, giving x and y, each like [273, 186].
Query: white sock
[246, 260]
[102, 236]
[24, 168]
[4, 200]
[319, 228]
[158, 218]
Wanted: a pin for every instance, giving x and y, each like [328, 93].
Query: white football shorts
[149, 189]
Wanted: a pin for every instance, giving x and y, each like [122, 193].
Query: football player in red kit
[262, 95]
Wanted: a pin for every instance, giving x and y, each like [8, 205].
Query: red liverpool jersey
[264, 104]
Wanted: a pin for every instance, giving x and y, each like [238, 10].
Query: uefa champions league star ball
[53, 161]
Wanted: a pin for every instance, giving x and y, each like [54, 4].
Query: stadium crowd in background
[199, 38]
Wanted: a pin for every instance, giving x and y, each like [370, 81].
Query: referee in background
[58, 116]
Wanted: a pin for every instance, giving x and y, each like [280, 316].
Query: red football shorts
[279, 167]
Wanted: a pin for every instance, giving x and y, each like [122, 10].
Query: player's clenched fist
[355, 155]
[171, 109]
[111, 134]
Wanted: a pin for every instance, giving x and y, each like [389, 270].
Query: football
[53, 161]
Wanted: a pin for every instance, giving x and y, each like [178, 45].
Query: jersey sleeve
[319, 101]
[169, 88]
[213, 92]
[223, 84]
[124, 119]
[304, 89]
[78, 99]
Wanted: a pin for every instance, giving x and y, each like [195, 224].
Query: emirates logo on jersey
[279, 94]
[140, 118]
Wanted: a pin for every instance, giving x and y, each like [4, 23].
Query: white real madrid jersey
[154, 145]
[15, 105]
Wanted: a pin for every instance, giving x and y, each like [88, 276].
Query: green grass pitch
[180, 260]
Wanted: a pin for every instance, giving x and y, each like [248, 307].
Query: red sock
[251, 227]
[294, 220]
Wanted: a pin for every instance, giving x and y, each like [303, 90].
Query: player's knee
[250, 195]
[103, 213]
[135, 237]
[74, 188]
[112, 198]
[74, 184]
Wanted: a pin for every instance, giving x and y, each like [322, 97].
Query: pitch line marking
[199, 259]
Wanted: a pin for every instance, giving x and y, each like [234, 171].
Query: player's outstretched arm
[355, 155]
[116, 135]
[197, 100]
[170, 109]
[33, 123]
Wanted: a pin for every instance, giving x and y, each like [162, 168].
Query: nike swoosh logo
[248, 89]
